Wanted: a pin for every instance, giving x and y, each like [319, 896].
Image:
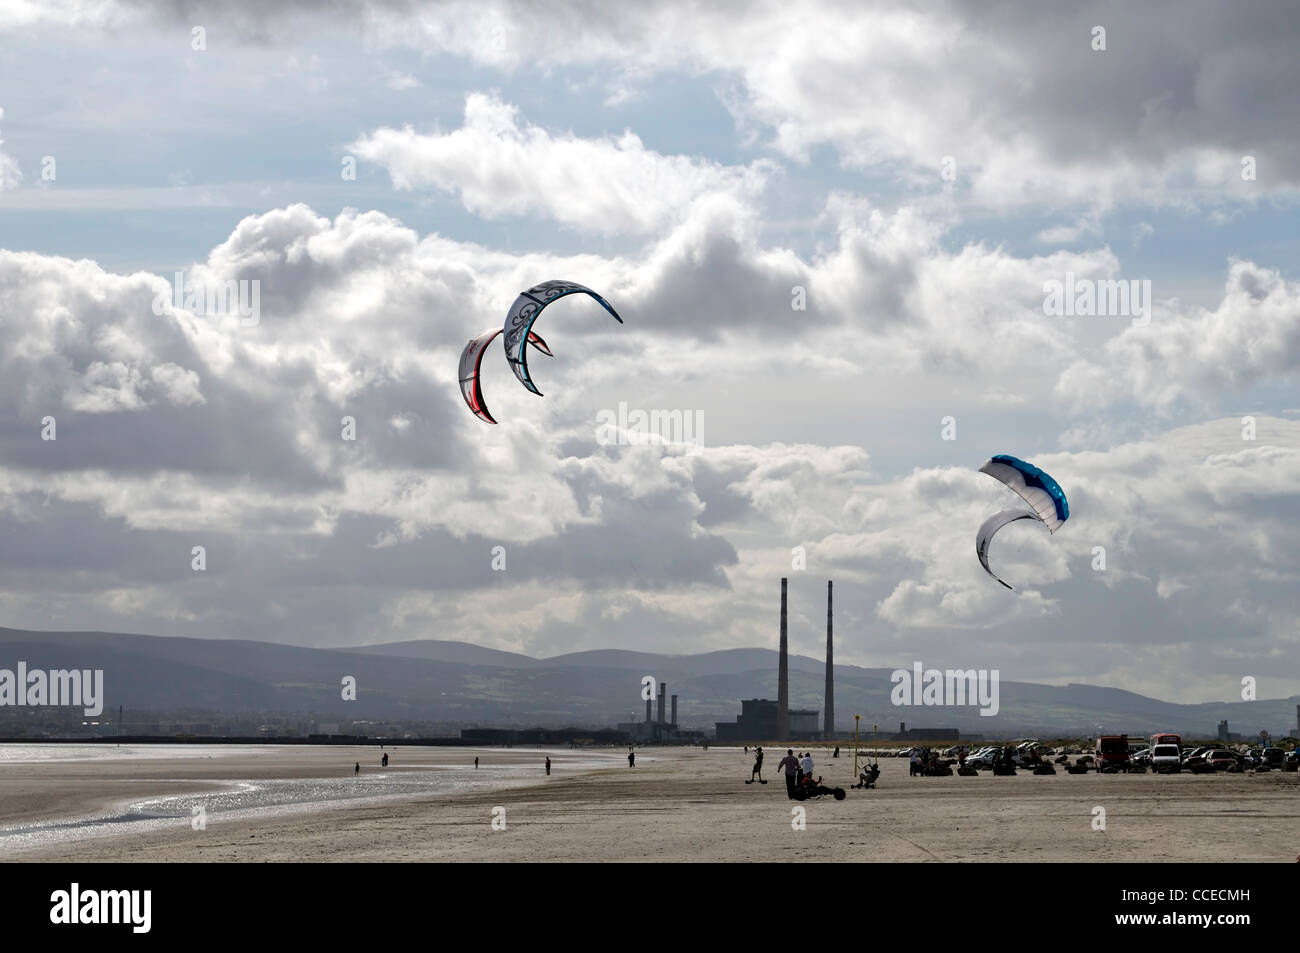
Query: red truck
[1112, 753]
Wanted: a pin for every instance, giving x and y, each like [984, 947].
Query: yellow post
[856, 719]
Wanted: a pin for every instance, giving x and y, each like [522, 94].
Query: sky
[831, 231]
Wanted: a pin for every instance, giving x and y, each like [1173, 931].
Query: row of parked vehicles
[1166, 754]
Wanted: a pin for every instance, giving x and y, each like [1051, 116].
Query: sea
[237, 799]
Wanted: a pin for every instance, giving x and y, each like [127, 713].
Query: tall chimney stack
[830, 664]
[649, 715]
[674, 721]
[783, 678]
[663, 687]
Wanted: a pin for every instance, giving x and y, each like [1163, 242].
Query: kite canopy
[1037, 489]
[470, 361]
[984, 538]
[526, 309]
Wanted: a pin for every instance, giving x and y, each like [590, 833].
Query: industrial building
[925, 734]
[758, 722]
[763, 720]
[658, 728]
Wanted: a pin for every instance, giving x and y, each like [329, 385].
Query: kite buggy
[808, 790]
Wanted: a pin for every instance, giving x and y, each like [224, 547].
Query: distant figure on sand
[384, 760]
[356, 769]
[476, 764]
[790, 766]
[631, 759]
[548, 767]
[837, 752]
[757, 770]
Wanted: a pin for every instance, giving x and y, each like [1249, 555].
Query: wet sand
[685, 805]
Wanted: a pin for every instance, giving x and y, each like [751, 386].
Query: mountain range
[461, 684]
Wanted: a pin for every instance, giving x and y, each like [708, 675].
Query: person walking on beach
[356, 769]
[631, 759]
[476, 764]
[548, 767]
[384, 760]
[757, 770]
[790, 766]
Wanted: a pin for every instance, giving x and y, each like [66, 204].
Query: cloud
[500, 167]
[178, 429]
[1176, 101]
[10, 174]
[1193, 355]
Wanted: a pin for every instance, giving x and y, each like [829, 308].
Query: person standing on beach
[806, 765]
[384, 760]
[476, 764]
[631, 758]
[916, 760]
[356, 769]
[790, 766]
[757, 770]
[548, 767]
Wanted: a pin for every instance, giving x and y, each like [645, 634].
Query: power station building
[764, 720]
[758, 722]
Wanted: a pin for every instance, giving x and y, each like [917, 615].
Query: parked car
[1142, 757]
[1273, 757]
[1164, 759]
[1221, 759]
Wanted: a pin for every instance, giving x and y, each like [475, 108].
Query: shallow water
[239, 799]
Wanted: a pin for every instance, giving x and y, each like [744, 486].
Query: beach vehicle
[1165, 759]
[867, 778]
[1273, 757]
[811, 790]
[1112, 753]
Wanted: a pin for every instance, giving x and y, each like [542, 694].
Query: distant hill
[459, 683]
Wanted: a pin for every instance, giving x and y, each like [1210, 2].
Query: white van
[1166, 758]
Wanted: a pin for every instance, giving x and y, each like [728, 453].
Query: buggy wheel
[839, 794]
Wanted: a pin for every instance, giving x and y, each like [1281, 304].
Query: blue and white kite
[1043, 494]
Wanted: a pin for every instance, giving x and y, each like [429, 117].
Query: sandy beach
[675, 805]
